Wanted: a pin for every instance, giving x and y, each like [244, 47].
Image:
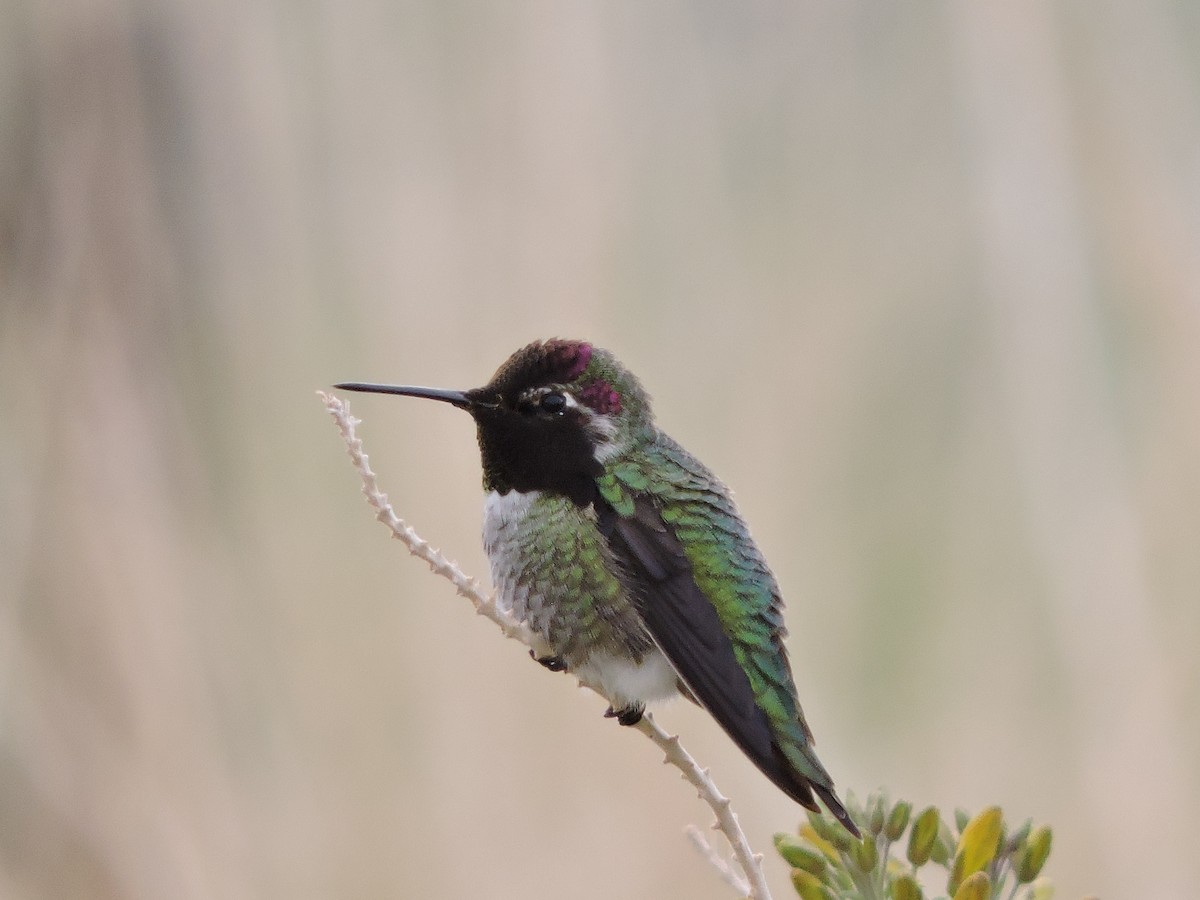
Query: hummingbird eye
[554, 402]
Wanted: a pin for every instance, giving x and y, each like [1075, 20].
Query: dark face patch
[534, 451]
[526, 446]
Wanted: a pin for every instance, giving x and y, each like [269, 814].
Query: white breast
[503, 524]
[503, 514]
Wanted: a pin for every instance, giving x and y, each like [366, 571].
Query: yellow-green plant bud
[977, 887]
[1034, 857]
[858, 811]
[878, 814]
[843, 840]
[866, 854]
[799, 855]
[898, 820]
[831, 852]
[924, 835]
[906, 888]
[823, 826]
[809, 886]
[956, 876]
[979, 841]
[943, 845]
[839, 878]
[1016, 841]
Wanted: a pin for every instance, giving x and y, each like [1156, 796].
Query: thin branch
[727, 820]
[753, 885]
[736, 881]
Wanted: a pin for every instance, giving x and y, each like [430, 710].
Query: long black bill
[454, 398]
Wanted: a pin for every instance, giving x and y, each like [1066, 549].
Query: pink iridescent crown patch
[601, 396]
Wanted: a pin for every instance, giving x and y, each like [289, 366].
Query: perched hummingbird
[627, 556]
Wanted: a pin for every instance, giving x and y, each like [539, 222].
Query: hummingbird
[627, 558]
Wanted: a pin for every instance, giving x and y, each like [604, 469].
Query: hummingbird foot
[553, 663]
[626, 715]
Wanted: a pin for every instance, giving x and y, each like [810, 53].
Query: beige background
[921, 283]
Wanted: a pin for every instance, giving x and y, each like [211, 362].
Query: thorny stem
[753, 885]
[736, 881]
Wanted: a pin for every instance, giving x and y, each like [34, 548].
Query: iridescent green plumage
[556, 571]
[730, 572]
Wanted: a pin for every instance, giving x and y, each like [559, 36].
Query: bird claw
[626, 715]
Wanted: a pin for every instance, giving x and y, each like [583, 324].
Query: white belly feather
[625, 682]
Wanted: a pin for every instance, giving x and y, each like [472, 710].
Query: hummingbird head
[550, 418]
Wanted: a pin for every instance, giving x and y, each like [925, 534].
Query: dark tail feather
[830, 799]
[801, 788]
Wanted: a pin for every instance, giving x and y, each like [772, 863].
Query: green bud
[956, 877]
[905, 887]
[943, 845]
[898, 820]
[1016, 841]
[923, 836]
[1034, 857]
[808, 833]
[823, 826]
[866, 854]
[977, 887]
[878, 808]
[799, 855]
[809, 886]
[857, 810]
[842, 839]
[961, 818]
[841, 879]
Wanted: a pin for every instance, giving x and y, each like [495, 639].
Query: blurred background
[922, 284]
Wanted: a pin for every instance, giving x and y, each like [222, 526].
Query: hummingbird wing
[712, 606]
